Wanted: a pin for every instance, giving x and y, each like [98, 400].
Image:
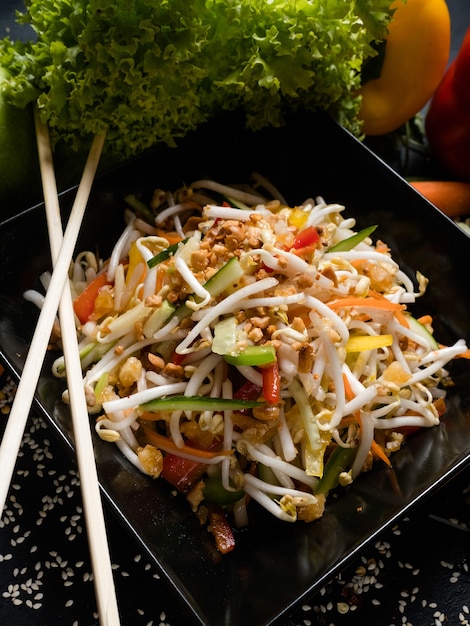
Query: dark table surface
[416, 573]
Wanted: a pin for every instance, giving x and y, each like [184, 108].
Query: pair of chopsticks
[58, 297]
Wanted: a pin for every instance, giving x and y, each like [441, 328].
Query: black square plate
[275, 566]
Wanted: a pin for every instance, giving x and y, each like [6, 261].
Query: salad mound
[247, 350]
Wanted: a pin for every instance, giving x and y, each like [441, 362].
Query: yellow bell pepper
[416, 55]
[360, 343]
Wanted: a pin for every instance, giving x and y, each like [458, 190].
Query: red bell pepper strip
[176, 359]
[84, 304]
[306, 238]
[271, 383]
[182, 473]
[248, 391]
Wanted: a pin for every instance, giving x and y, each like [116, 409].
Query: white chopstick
[21, 406]
[94, 517]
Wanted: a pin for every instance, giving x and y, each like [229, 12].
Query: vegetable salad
[247, 350]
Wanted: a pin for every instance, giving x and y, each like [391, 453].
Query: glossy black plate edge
[66, 442]
[271, 619]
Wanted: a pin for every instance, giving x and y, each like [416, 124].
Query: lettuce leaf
[151, 71]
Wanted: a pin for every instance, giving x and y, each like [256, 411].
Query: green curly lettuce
[149, 71]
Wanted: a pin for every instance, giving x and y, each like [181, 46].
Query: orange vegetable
[450, 197]
[416, 55]
[348, 392]
[166, 444]
[379, 452]
[372, 302]
[171, 236]
[84, 304]
[375, 301]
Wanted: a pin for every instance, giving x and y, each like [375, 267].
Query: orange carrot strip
[169, 446]
[398, 314]
[375, 447]
[464, 355]
[348, 392]
[380, 453]
[171, 237]
[304, 251]
[347, 420]
[402, 319]
[84, 304]
[161, 273]
[370, 302]
[425, 319]
[373, 301]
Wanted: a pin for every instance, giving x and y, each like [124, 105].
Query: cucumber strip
[422, 331]
[140, 207]
[238, 204]
[165, 254]
[156, 319]
[228, 275]
[198, 403]
[215, 493]
[339, 461]
[224, 278]
[253, 355]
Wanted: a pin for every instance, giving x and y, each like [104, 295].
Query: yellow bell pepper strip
[359, 343]
[417, 49]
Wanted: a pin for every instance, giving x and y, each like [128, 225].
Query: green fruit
[19, 168]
